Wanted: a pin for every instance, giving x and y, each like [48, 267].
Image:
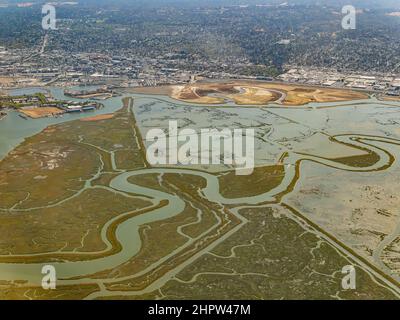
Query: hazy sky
[359, 3]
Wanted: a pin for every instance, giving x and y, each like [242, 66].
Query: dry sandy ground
[98, 118]
[390, 98]
[7, 80]
[253, 93]
[36, 113]
[161, 90]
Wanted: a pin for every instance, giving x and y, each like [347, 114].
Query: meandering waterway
[13, 130]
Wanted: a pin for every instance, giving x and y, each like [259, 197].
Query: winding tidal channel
[127, 233]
